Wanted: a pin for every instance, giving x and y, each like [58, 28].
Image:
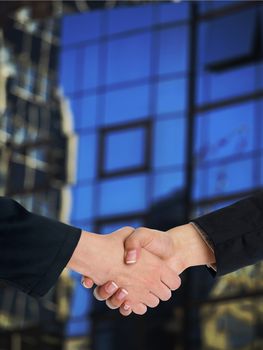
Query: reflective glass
[230, 177]
[128, 58]
[108, 228]
[122, 195]
[173, 45]
[75, 107]
[170, 12]
[226, 84]
[81, 27]
[234, 33]
[122, 19]
[82, 203]
[169, 142]
[167, 183]
[88, 111]
[90, 68]
[124, 149]
[126, 104]
[231, 131]
[87, 156]
[67, 74]
[171, 96]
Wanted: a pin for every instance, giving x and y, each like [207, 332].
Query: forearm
[190, 249]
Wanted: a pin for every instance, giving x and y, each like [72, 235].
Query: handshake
[136, 268]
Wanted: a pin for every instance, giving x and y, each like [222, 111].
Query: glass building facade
[166, 98]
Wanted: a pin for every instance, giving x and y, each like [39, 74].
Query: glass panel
[124, 149]
[127, 104]
[82, 203]
[171, 96]
[129, 58]
[80, 27]
[226, 84]
[173, 50]
[234, 33]
[169, 142]
[205, 6]
[123, 18]
[227, 132]
[166, 184]
[123, 195]
[173, 12]
[68, 64]
[88, 112]
[75, 107]
[90, 70]
[223, 179]
[87, 156]
[108, 228]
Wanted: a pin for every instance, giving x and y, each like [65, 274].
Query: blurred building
[35, 139]
[167, 96]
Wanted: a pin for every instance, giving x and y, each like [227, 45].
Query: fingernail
[122, 294]
[96, 295]
[111, 288]
[83, 282]
[131, 257]
[126, 307]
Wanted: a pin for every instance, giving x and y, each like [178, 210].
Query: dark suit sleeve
[236, 233]
[33, 249]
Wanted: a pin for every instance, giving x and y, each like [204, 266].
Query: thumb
[134, 243]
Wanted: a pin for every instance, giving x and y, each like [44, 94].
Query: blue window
[231, 131]
[173, 12]
[129, 59]
[122, 195]
[226, 84]
[88, 112]
[167, 183]
[173, 50]
[230, 178]
[171, 96]
[111, 227]
[234, 33]
[126, 104]
[75, 107]
[82, 203]
[81, 27]
[68, 78]
[90, 66]
[169, 142]
[200, 187]
[124, 149]
[123, 18]
[87, 153]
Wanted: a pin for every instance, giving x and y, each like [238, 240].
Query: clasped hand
[135, 269]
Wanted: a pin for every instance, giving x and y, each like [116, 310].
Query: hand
[101, 258]
[181, 247]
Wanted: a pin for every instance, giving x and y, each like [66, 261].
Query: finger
[105, 291]
[139, 309]
[125, 309]
[162, 292]
[133, 244]
[87, 282]
[171, 279]
[117, 299]
[152, 301]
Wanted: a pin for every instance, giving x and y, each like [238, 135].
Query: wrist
[190, 249]
[85, 254]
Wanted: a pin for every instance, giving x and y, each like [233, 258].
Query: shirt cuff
[208, 242]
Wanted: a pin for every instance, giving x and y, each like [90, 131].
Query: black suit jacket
[236, 233]
[33, 249]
